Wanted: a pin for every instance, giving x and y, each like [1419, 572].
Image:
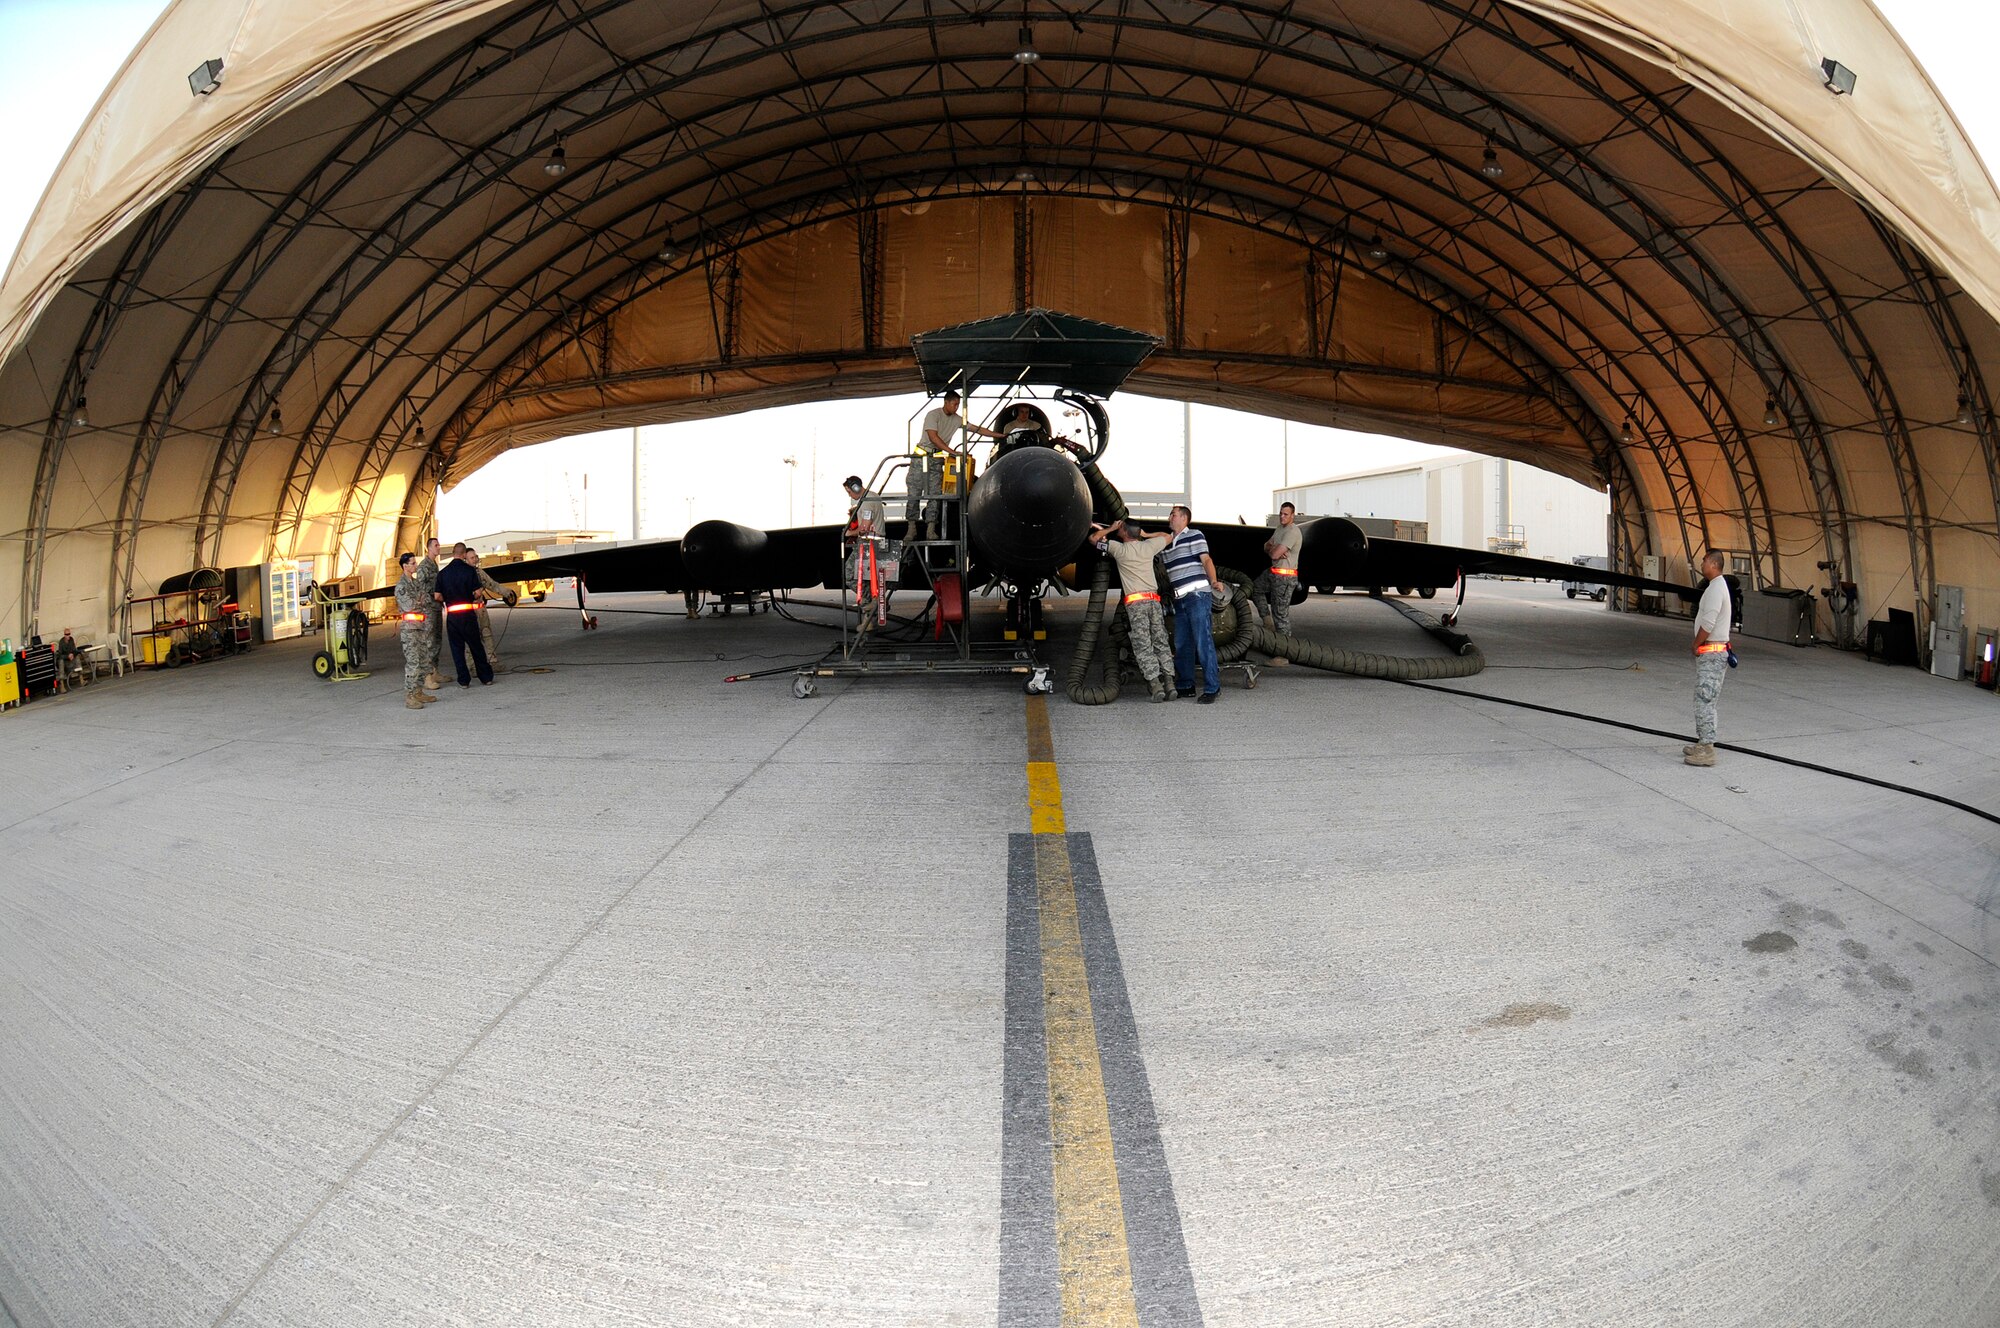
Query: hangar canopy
[1643, 243]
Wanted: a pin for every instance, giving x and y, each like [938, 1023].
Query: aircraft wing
[712, 556]
[1406, 562]
[654, 565]
[1336, 553]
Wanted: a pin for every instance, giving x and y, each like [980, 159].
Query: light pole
[791, 482]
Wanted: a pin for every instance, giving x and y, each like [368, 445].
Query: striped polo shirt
[1184, 570]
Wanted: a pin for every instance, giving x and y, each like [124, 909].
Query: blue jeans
[1195, 639]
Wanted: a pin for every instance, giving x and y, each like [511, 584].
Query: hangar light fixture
[1964, 409]
[80, 417]
[668, 253]
[558, 161]
[206, 78]
[1625, 431]
[1490, 166]
[1770, 411]
[420, 433]
[1839, 79]
[1025, 174]
[1027, 55]
[1376, 249]
[277, 424]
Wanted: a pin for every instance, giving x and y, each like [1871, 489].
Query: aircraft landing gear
[1039, 682]
[1451, 619]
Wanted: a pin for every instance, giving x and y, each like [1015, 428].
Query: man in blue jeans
[1191, 572]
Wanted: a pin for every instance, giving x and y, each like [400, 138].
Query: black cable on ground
[1720, 746]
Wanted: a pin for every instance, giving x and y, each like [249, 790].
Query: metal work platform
[942, 568]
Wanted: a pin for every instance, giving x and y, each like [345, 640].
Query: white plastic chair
[113, 658]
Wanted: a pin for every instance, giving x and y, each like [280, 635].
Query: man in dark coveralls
[458, 597]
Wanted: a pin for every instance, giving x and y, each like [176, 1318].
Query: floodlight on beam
[206, 78]
[1839, 79]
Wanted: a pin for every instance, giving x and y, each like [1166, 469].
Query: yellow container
[951, 474]
[155, 649]
[10, 683]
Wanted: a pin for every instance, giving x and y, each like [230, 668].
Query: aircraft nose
[1029, 512]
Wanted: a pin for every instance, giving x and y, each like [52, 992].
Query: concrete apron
[614, 993]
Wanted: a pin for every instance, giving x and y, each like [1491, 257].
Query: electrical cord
[1720, 746]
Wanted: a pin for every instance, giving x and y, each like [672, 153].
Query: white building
[1472, 501]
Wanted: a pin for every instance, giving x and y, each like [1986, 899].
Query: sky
[782, 467]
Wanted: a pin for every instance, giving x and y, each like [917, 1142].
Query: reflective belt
[1284, 571]
[460, 608]
[412, 616]
[1712, 648]
[1143, 597]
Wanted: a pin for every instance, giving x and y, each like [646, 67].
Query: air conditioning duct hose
[1364, 664]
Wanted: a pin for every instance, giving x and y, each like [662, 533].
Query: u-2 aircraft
[1028, 514]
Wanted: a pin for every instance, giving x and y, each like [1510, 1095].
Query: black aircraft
[1027, 516]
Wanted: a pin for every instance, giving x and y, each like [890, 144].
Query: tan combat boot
[432, 680]
[425, 697]
[410, 701]
[1702, 753]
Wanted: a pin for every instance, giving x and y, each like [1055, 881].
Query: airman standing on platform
[926, 475]
[415, 627]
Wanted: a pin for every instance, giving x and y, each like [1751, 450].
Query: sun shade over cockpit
[1034, 348]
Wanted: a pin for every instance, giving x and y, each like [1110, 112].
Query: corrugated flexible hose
[1366, 664]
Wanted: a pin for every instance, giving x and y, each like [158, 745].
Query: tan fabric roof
[354, 240]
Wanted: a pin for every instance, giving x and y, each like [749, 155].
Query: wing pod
[1028, 513]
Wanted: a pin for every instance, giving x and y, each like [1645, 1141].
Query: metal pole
[1187, 453]
[635, 481]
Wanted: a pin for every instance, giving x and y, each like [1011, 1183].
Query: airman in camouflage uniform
[494, 590]
[1272, 591]
[433, 634]
[1133, 550]
[415, 634]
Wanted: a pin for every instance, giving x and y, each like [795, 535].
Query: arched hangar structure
[1662, 246]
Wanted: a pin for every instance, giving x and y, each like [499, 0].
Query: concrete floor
[616, 994]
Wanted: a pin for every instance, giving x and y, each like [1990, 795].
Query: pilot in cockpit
[1025, 426]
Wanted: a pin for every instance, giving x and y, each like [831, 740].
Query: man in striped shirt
[1192, 574]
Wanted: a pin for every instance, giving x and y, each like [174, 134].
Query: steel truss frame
[601, 258]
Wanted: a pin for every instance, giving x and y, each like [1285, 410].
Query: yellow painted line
[1093, 1262]
[1045, 810]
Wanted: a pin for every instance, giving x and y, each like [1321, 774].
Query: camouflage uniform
[426, 577]
[497, 591]
[1272, 593]
[1273, 597]
[1709, 673]
[417, 637]
[1152, 648]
